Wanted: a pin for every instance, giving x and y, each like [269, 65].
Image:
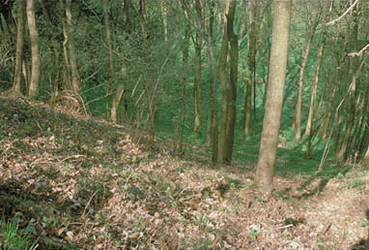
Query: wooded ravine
[186, 124]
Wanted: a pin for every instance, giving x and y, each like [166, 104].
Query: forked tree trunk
[225, 145]
[274, 99]
[34, 85]
[19, 48]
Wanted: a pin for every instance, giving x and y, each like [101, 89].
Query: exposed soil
[77, 183]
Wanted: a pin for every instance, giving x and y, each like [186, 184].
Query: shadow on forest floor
[316, 182]
[364, 243]
[40, 213]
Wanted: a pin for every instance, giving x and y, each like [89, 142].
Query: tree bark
[71, 48]
[213, 104]
[233, 75]
[353, 87]
[305, 53]
[198, 48]
[119, 90]
[228, 118]
[34, 85]
[19, 48]
[251, 54]
[320, 52]
[274, 99]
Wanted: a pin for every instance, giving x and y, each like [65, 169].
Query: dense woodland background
[162, 66]
[195, 77]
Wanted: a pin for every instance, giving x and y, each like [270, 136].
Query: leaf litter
[79, 183]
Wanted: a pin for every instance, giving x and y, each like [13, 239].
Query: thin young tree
[312, 23]
[251, 63]
[19, 48]
[213, 105]
[198, 41]
[274, 99]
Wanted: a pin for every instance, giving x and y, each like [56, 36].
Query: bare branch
[343, 15]
[360, 52]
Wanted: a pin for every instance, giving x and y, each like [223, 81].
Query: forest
[188, 124]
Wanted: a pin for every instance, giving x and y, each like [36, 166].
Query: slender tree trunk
[274, 99]
[233, 75]
[353, 87]
[198, 48]
[34, 85]
[226, 89]
[108, 38]
[165, 19]
[71, 48]
[19, 48]
[361, 124]
[317, 72]
[119, 90]
[329, 112]
[213, 103]
[304, 57]
[366, 157]
[251, 54]
[117, 96]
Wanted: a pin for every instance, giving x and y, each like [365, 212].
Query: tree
[251, 69]
[229, 82]
[198, 40]
[19, 48]
[70, 41]
[354, 63]
[213, 105]
[34, 86]
[310, 32]
[320, 52]
[274, 98]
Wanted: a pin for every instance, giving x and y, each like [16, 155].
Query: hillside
[70, 182]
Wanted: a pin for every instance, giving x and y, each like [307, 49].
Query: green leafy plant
[14, 238]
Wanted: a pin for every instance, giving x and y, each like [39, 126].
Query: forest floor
[71, 182]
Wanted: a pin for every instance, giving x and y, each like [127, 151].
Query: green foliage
[355, 183]
[13, 238]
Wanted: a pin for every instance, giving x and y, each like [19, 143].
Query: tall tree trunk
[228, 118]
[251, 54]
[305, 53]
[19, 48]
[233, 75]
[320, 52]
[71, 48]
[213, 102]
[354, 63]
[198, 48]
[34, 85]
[119, 90]
[225, 87]
[274, 99]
